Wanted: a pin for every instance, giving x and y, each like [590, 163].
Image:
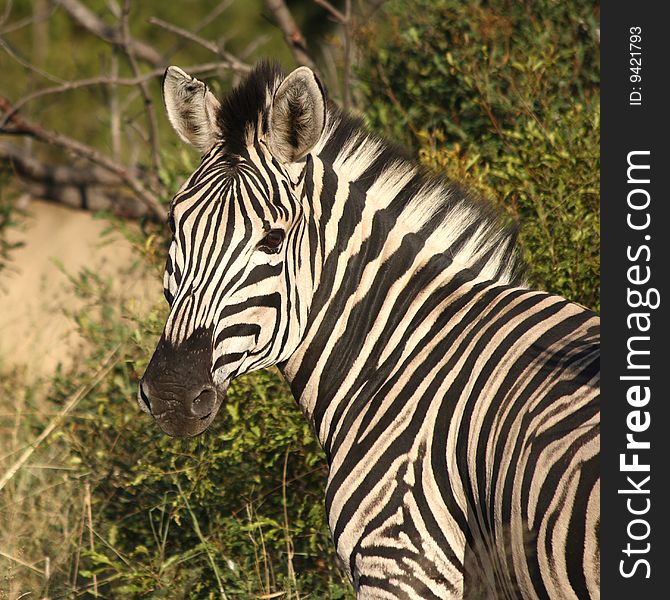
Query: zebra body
[457, 409]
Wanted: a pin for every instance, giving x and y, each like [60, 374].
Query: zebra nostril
[204, 402]
[143, 399]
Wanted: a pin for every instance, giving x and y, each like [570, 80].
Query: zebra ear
[191, 109]
[297, 115]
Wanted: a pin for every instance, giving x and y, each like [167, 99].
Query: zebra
[457, 408]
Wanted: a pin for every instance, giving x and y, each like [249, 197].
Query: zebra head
[233, 273]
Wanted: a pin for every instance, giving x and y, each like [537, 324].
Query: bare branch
[104, 80]
[255, 44]
[7, 11]
[114, 8]
[36, 170]
[28, 65]
[25, 21]
[345, 20]
[332, 10]
[230, 61]
[87, 19]
[292, 34]
[213, 15]
[211, 46]
[373, 6]
[346, 81]
[82, 189]
[92, 189]
[23, 127]
[146, 96]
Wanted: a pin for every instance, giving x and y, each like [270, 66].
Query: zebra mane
[243, 113]
[472, 231]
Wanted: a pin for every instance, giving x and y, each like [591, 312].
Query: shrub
[503, 96]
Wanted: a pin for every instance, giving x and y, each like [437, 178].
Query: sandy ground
[34, 331]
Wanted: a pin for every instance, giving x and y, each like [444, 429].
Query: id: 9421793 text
[635, 66]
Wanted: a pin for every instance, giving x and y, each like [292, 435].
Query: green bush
[504, 97]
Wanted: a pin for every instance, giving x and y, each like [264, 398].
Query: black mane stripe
[245, 110]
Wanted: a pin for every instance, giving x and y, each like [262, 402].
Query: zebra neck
[364, 312]
[376, 254]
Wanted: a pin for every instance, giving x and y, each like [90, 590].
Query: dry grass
[39, 524]
[44, 517]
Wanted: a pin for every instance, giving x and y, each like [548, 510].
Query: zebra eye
[272, 241]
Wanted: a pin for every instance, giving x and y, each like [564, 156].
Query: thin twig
[346, 82]
[90, 532]
[339, 16]
[203, 541]
[209, 18]
[114, 550]
[289, 541]
[345, 20]
[31, 20]
[184, 33]
[261, 499]
[373, 6]
[230, 61]
[78, 553]
[114, 8]
[28, 65]
[115, 113]
[21, 562]
[107, 366]
[66, 86]
[23, 127]
[254, 45]
[94, 24]
[392, 97]
[222, 7]
[146, 96]
[8, 11]
[250, 534]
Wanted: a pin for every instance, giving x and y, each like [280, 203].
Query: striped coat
[458, 409]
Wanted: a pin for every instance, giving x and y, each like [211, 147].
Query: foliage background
[502, 95]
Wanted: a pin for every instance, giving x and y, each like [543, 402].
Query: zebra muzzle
[177, 388]
[185, 415]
